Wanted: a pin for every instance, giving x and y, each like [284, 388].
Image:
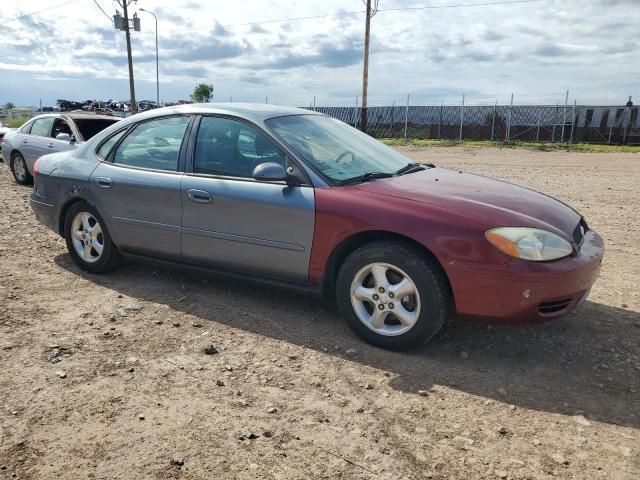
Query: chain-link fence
[529, 123]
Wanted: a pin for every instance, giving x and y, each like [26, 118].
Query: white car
[49, 133]
[3, 131]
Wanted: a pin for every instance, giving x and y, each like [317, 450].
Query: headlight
[529, 243]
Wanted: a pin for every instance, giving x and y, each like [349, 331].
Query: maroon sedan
[299, 199]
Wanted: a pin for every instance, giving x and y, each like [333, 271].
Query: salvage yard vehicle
[3, 131]
[295, 198]
[46, 134]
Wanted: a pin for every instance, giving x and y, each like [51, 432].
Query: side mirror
[64, 137]
[270, 172]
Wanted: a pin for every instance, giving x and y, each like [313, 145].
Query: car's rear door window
[42, 126]
[154, 144]
[228, 147]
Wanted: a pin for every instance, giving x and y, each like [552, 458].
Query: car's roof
[78, 116]
[90, 116]
[250, 111]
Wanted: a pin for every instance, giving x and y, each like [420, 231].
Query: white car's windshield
[336, 150]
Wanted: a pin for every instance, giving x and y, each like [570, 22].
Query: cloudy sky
[252, 49]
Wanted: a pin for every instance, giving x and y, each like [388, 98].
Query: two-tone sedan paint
[298, 199]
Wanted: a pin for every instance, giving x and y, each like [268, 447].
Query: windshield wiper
[365, 177]
[410, 168]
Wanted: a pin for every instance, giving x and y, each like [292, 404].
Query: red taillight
[35, 168]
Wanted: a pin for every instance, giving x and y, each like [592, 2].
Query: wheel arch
[357, 240]
[65, 208]
[12, 154]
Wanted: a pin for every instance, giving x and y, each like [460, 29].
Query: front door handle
[199, 196]
[50, 145]
[104, 182]
[25, 141]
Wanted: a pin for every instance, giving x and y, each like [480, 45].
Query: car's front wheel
[19, 169]
[88, 240]
[393, 295]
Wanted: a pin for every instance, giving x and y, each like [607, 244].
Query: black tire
[20, 180]
[108, 259]
[436, 301]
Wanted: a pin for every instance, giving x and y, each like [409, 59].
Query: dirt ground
[141, 399]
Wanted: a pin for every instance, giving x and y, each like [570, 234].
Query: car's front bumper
[522, 291]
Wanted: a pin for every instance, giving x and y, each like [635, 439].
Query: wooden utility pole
[365, 72]
[132, 88]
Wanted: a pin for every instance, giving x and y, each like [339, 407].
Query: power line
[37, 12]
[459, 5]
[358, 12]
[101, 9]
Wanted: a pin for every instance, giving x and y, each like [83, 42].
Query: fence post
[406, 119]
[461, 116]
[564, 115]
[493, 122]
[509, 120]
[573, 121]
[609, 119]
[555, 120]
[440, 120]
[355, 120]
[627, 120]
[538, 129]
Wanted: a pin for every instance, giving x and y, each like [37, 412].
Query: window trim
[132, 126]
[191, 148]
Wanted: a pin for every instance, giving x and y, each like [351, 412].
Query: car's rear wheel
[19, 169]
[88, 240]
[393, 295]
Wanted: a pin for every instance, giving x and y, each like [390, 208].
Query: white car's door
[36, 143]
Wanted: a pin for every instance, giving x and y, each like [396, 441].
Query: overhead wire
[358, 12]
[102, 10]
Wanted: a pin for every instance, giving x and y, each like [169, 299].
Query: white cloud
[535, 50]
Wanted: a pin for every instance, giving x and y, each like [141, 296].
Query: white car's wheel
[19, 169]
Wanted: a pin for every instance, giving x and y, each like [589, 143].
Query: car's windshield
[335, 149]
[90, 127]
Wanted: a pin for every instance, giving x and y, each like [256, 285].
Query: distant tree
[202, 93]
[9, 106]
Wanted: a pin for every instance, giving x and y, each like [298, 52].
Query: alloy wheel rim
[385, 299]
[19, 168]
[87, 237]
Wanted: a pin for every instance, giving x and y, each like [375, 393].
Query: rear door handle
[199, 196]
[25, 141]
[50, 145]
[104, 182]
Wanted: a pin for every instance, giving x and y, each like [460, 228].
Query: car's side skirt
[314, 290]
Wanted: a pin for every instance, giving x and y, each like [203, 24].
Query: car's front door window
[60, 126]
[231, 148]
[154, 144]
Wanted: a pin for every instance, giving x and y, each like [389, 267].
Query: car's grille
[555, 307]
[579, 231]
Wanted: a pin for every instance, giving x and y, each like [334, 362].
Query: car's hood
[489, 202]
